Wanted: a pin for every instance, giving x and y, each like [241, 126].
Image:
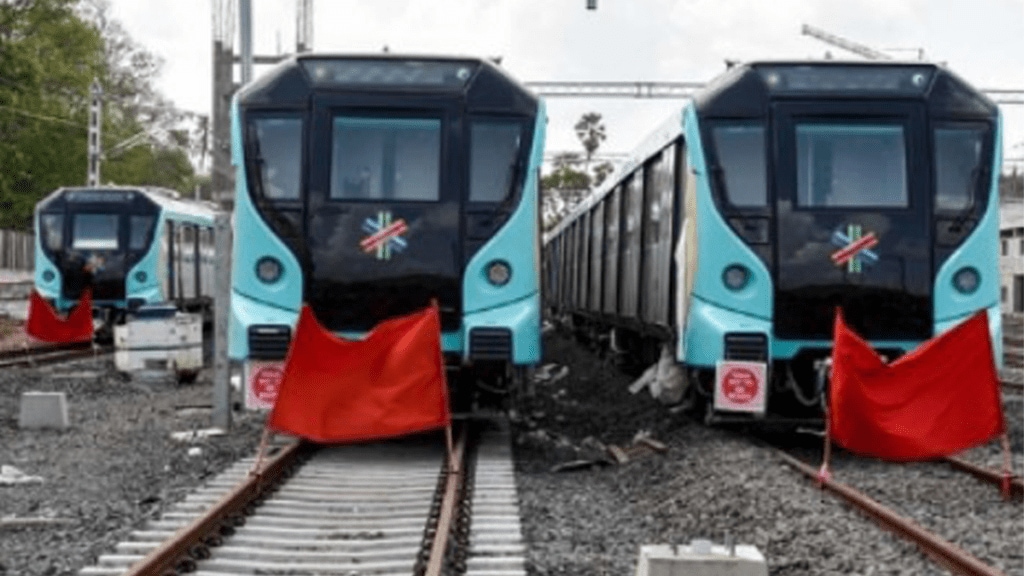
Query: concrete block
[43, 410]
[700, 559]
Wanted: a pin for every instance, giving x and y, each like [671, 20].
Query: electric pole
[95, 125]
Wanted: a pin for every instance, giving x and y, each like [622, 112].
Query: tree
[590, 130]
[563, 188]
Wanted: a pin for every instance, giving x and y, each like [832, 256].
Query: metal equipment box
[160, 340]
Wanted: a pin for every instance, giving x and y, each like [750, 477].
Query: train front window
[494, 152]
[279, 157]
[851, 166]
[741, 156]
[957, 166]
[52, 231]
[95, 232]
[140, 229]
[386, 159]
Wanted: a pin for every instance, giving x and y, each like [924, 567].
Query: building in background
[1011, 257]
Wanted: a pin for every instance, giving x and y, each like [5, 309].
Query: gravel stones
[710, 483]
[112, 469]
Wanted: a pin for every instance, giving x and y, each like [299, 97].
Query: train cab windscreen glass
[53, 230]
[494, 150]
[957, 165]
[140, 229]
[95, 232]
[386, 159]
[851, 166]
[741, 157]
[279, 157]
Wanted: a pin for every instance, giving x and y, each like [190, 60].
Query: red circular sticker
[739, 385]
[265, 383]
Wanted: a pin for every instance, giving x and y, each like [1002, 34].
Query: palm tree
[590, 131]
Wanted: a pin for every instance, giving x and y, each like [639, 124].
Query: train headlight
[735, 277]
[141, 276]
[48, 276]
[499, 273]
[269, 269]
[966, 280]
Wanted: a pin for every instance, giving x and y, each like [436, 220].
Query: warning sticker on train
[854, 248]
[740, 386]
[262, 381]
[385, 235]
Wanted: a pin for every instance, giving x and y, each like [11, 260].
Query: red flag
[389, 384]
[44, 323]
[937, 400]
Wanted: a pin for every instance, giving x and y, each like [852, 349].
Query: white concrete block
[43, 410]
[700, 559]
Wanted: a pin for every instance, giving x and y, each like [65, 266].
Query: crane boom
[843, 43]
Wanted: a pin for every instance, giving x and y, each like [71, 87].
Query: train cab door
[852, 202]
[383, 210]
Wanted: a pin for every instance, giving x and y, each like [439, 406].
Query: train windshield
[95, 232]
[376, 158]
[494, 151]
[140, 229]
[279, 156]
[958, 158]
[740, 149]
[851, 166]
[52, 231]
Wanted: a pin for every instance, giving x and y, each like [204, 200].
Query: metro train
[783, 191]
[142, 245]
[369, 185]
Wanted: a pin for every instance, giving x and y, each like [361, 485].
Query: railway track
[391, 508]
[53, 354]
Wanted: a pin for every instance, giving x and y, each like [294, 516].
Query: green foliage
[50, 52]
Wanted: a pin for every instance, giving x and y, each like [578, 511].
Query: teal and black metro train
[366, 186]
[781, 192]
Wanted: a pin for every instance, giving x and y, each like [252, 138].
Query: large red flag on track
[937, 400]
[44, 323]
[389, 384]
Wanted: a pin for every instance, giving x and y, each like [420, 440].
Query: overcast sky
[982, 40]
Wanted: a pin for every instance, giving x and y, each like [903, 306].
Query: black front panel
[384, 211]
[853, 219]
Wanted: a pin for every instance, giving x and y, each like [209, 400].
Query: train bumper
[516, 325]
[246, 312]
[706, 329]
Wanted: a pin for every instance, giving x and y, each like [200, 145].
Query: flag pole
[261, 453]
[824, 474]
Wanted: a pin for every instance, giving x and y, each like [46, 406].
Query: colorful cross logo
[854, 248]
[385, 236]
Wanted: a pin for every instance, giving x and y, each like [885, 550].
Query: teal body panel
[516, 305]
[980, 250]
[718, 248]
[49, 289]
[703, 342]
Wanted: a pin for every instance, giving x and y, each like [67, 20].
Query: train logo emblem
[854, 248]
[385, 235]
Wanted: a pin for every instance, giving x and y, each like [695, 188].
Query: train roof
[197, 212]
[484, 85]
[745, 89]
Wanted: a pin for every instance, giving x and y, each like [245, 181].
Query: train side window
[278, 156]
[494, 152]
[140, 228]
[741, 156]
[53, 230]
[851, 166]
[957, 166]
[386, 158]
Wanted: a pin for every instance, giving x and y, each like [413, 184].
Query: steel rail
[168, 555]
[954, 558]
[449, 503]
[988, 475]
[22, 350]
[50, 355]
